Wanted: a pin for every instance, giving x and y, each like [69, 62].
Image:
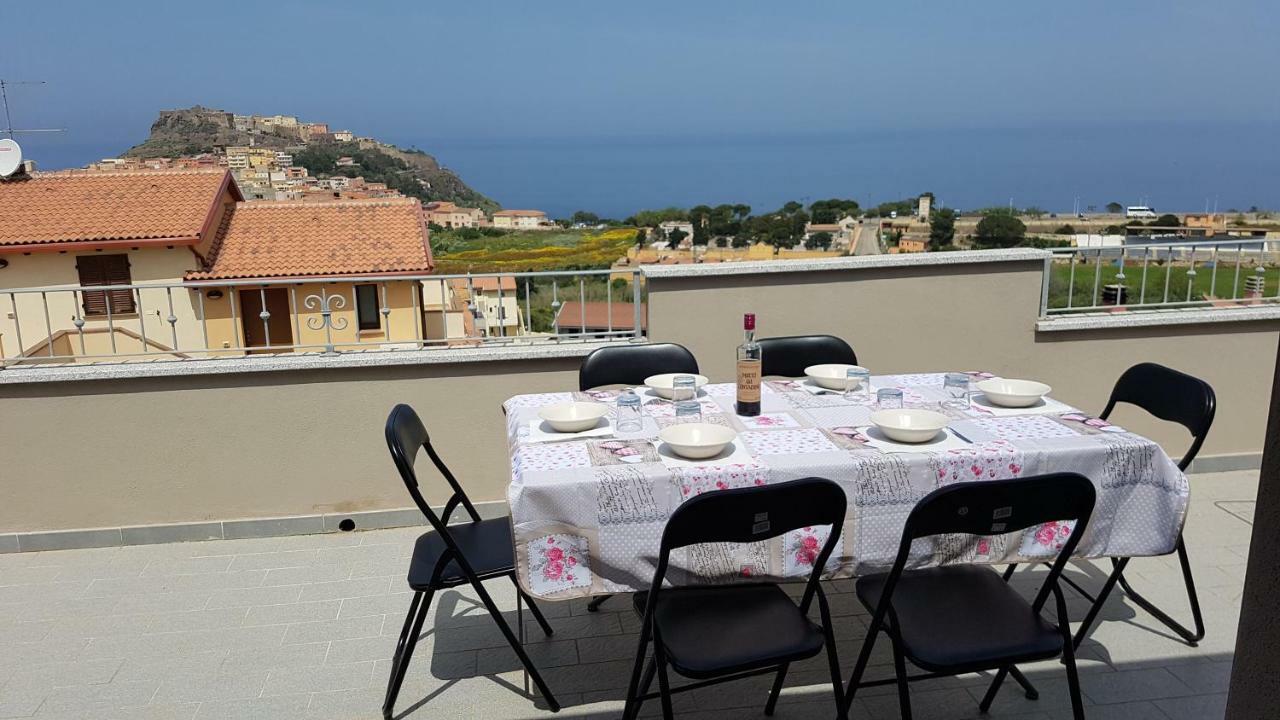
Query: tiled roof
[87, 206]
[486, 284]
[519, 213]
[597, 316]
[300, 239]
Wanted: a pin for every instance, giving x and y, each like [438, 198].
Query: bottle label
[748, 381]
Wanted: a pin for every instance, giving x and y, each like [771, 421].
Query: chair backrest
[789, 356]
[631, 364]
[1001, 506]
[1169, 395]
[752, 514]
[405, 436]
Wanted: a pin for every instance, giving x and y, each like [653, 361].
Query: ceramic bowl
[831, 377]
[573, 417]
[663, 384]
[1013, 393]
[909, 425]
[697, 441]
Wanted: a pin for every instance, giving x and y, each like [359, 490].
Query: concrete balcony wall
[264, 437]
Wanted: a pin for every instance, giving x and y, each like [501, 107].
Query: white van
[1140, 211]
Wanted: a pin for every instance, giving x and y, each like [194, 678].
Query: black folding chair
[964, 618]
[1189, 401]
[451, 555]
[631, 364]
[719, 633]
[789, 356]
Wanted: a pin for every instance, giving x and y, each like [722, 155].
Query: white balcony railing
[1156, 274]
[151, 321]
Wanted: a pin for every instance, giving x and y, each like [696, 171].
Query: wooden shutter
[98, 270]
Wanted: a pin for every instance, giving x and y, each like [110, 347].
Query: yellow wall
[398, 327]
[147, 265]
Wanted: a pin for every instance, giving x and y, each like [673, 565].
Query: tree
[999, 230]
[1167, 220]
[582, 217]
[741, 211]
[699, 216]
[826, 212]
[821, 240]
[1066, 229]
[676, 236]
[642, 236]
[942, 228]
[1114, 207]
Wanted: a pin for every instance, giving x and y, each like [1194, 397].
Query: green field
[1159, 275]
[461, 251]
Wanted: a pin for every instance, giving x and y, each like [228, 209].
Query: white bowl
[664, 384]
[1013, 393]
[832, 376]
[574, 416]
[909, 425]
[697, 441]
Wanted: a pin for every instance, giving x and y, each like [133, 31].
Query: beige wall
[172, 449]
[972, 317]
[149, 265]
[126, 452]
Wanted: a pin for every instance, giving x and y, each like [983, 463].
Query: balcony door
[280, 325]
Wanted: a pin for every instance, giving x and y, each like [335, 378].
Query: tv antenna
[8, 121]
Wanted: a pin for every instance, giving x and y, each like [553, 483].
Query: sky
[460, 74]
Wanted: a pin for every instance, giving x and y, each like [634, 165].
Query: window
[367, 307]
[99, 270]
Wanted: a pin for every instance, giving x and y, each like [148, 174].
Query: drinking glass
[683, 387]
[630, 417]
[689, 411]
[889, 398]
[857, 386]
[956, 386]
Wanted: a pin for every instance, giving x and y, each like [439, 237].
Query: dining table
[588, 509]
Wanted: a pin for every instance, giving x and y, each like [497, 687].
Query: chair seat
[486, 545]
[712, 631]
[963, 617]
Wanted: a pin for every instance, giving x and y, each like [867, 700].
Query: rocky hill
[196, 130]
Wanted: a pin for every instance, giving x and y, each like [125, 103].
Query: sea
[1171, 167]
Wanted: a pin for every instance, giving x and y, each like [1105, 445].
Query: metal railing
[1169, 274]
[209, 319]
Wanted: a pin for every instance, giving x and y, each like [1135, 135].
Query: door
[279, 324]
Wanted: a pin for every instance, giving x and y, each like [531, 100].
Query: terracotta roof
[519, 213]
[486, 284]
[597, 315]
[117, 205]
[299, 239]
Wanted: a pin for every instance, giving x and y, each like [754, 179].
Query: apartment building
[521, 219]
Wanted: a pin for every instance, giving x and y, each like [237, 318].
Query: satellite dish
[10, 157]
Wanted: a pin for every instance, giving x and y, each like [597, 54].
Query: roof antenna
[11, 163]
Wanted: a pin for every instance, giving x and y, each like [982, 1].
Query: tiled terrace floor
[303, 627]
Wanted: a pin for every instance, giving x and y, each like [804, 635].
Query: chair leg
[1027, 687]
[900, 668]
[1099, 601]
[664, 685]
[777, 688]
[987, 699]
[404, 648]
[634, 691]
[1008, 572]
[860, 667]
[1069, 657]
[1189, 637]
[533, 608]
[515, 645]
[833, 659]
[596, 602]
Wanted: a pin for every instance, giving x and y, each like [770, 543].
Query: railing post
[1044, 286]
[635, 303]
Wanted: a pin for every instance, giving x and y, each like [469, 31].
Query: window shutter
[99, 270]
[117, 272]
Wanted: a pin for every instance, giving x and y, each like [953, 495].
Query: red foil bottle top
[749, 321]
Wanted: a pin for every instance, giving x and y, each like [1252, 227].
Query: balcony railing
[1153, 275]
[150, 321]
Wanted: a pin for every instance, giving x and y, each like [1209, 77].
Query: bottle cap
[749, 321]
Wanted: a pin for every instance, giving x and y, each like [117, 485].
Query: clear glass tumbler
[956, 386]
[889, 398]
[684, 387]
[689, 411]
[857, 386]
[630, 416]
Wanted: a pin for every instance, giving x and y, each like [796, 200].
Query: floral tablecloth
[588, 513]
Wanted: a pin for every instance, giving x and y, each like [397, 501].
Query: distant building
[600, 317]
[684, 226]
[343, 136]
[345, 161]
[447, 214]
[520, 219]
[494, 313]
[924, 206]
[912, 245]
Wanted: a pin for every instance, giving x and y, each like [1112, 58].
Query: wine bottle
[749, 356]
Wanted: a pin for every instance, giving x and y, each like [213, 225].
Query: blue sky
[427, 72]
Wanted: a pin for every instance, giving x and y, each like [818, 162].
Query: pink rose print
[558, 562]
